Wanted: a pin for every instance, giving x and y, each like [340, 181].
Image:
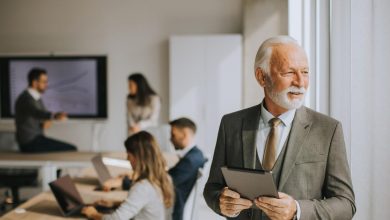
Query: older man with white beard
[304, 149]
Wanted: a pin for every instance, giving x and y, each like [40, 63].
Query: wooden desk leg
[48, 173]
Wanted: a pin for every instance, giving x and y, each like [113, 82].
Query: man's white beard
[281, 98]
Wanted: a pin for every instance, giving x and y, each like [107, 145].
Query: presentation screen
[76, 85]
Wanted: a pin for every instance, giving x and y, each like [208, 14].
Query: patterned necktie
[269, 156]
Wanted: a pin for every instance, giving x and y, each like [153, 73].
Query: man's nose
[299, 79]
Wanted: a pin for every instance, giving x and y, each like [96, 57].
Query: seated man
[185, 172]
[31, 117]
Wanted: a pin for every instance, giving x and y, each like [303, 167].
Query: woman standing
[151, 193]
[143, 104]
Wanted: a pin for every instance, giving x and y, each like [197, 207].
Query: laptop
[101, 169]
[69, 199]
[100, 164]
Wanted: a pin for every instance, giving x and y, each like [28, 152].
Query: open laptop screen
[67, 195]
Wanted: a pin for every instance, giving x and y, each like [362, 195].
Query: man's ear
[260, 77]
[34, 84]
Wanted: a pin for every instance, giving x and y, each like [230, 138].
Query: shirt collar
[183, 152]
[34, 93]
[286, 117]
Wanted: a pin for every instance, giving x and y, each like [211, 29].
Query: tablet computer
[250, 183]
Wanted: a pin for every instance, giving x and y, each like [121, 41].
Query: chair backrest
[190, 208]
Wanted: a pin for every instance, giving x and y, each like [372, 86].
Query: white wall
[370, 34]
[262, 19]
[360, 97]
[134, 34]
[205, 82]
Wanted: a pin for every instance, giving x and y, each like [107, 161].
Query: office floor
[25, 194]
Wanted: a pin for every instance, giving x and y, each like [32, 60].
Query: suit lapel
[249, 129]
[300, 128]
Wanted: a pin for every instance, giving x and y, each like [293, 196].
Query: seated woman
[151, 193]
[143, 104]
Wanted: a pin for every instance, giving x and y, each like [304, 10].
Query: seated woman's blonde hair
[150, 164]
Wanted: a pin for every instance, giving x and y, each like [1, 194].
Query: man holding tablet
[303, 149]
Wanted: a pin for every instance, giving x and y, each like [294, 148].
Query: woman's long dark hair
[150, 164]
[144, 91]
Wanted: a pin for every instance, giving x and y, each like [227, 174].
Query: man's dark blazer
[184, 175]
[29, 115]
[315, 170]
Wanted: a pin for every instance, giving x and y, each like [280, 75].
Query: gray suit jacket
[315, 170]
[29, 115]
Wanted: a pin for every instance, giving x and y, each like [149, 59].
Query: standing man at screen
[304, 149]
[31, 117]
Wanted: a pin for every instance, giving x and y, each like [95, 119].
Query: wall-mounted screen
[77, 84]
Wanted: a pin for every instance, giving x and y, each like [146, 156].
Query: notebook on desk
[69, 199]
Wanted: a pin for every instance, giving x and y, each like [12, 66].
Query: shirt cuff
[298, 214]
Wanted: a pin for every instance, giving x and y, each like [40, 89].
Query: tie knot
[274, 122]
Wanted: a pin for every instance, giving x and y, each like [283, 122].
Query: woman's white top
[144, 116]
[144, 202]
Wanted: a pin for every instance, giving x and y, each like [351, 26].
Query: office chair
[190, 208]
[17, 178]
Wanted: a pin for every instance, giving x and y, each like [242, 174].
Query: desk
[48, 163]
[44, 206]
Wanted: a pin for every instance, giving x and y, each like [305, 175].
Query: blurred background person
[31, 117]
[143, 104]
[151, 194]
[185, 173]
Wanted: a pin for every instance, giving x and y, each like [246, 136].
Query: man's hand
[283, 208]
[46, 124]
[231, 204]
[61, 116]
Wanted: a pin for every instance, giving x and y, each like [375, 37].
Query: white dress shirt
[283, 131]
[34, 93]
[264, 128]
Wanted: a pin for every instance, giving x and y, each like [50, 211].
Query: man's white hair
[263, 56]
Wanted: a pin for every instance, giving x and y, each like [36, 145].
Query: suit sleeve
[216, 182]
[182, 172]
[339, 198]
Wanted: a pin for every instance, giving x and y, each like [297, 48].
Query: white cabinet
[205, 82]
